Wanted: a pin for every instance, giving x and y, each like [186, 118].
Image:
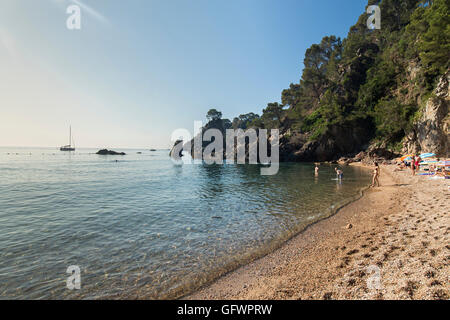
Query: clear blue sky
[139, 69]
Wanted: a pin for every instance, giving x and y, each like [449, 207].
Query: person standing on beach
[413, 165]
[417, 163]
[376, 174]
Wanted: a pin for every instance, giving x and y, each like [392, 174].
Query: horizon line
[56, 147]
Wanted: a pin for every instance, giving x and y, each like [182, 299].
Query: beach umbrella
[427, 155]
[429, 162]
[407, 157]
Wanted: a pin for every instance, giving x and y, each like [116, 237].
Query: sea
[140, 226]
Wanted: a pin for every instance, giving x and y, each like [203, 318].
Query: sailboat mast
[68, 147]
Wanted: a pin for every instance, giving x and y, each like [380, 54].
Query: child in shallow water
[339, 173]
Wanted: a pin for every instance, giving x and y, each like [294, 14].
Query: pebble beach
[391, 244]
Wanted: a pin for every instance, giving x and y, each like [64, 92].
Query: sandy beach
[393, 243]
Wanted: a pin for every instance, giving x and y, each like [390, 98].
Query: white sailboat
[69, 147]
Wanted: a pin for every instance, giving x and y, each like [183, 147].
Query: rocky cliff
[431, 132]
[339, 141]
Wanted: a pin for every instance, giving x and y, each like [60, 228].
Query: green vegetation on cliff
[375, 76]
[374, 81]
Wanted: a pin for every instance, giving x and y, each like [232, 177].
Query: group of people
[434, 169]
[340, 174]
[414, 164]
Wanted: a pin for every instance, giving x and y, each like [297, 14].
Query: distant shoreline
[93, 148]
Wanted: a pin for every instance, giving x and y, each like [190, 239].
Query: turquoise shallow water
[142, 227]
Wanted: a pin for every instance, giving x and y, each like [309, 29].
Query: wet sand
[393, 243]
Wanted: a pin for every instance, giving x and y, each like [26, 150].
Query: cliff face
[339, 141]
[431, 132]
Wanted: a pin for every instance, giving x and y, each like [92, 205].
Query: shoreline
[340, 257]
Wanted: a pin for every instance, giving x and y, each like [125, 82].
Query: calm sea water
[142, 227]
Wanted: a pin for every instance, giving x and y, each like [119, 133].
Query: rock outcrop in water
[177, 150]
[110, 152]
